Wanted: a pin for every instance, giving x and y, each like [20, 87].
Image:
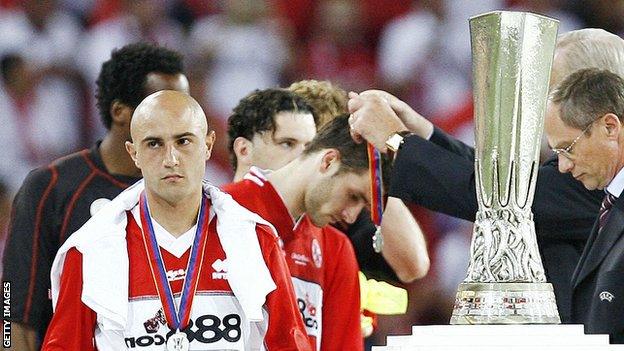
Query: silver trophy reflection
[512, 54]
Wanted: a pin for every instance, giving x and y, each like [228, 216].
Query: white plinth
[498, 337]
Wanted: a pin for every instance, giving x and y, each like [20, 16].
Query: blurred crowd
[51, 52]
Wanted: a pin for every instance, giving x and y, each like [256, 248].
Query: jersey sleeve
[73, 323]
[31, 245]
[285, 329]
[341, 297]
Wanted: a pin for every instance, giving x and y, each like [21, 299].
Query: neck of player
[176, 217]
[291, 188]
[116, 158]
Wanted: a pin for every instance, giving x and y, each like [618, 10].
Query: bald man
[162, 273]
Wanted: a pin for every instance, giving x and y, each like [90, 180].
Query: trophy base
[505, 303]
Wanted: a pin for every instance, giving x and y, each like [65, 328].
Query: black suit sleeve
[440, 138]
[433, 177]
[439, 175]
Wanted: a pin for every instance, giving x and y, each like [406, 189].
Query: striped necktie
[603, 214]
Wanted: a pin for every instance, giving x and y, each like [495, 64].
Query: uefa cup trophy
[512, 54]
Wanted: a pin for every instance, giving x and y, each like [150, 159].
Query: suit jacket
[439, 174]
[598, 288]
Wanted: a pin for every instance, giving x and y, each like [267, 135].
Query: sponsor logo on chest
[216, 324]
[310, 303]
[220, 269]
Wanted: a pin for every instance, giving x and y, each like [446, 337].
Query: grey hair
[588, 94]
[588, 48]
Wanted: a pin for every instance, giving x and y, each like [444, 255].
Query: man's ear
[210, 140]
[330, 161]
[132, 152]
[243, 149]
[121, 114]
[613, 125]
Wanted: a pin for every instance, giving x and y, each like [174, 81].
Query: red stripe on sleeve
[72, 203]
[109, 177]
[35, 248]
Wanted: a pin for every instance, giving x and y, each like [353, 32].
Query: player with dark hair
[328, 182]
[56, 200]
[267, 129]
[123, 78]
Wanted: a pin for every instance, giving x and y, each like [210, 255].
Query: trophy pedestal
[505, 303]
[551, 337]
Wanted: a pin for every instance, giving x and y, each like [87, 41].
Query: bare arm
[405, 248]
[413, 120]
[23, 337]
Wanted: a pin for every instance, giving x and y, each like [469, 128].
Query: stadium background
[51, 52]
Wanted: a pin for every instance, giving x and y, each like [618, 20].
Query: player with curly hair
[327, 99]
[267, 129]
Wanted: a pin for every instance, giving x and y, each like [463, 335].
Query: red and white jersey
[217, 319]
[322, 264]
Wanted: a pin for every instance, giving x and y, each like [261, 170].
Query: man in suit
[584, 126]
[436, 171]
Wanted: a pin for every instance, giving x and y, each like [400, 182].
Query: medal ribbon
[177, 317]
[374, 166]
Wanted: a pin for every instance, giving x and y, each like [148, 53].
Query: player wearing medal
[329, 182]
[57, 199]
[174, 267]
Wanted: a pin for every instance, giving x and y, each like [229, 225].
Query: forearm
[414, 121]
[432, 177]
[23, 337]
[449, 143]
[404, 247]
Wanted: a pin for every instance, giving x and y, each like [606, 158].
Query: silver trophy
[512, 54]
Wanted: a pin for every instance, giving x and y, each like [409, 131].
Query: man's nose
[351, 213]
[171, 157]
[565, 164]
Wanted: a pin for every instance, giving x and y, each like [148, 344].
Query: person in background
[267, 129]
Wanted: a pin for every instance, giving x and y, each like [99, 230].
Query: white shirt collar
[616, 186]
[175, 246]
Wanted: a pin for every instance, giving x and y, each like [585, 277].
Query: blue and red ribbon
[177, 317]
[376, 179]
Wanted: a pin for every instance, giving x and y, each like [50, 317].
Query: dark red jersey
[217, 320]
[322, 264]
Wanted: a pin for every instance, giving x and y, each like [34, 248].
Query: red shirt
[217, 320]
[322, 264]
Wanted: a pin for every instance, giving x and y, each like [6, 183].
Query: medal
[378, 240]
[374, 165]
[177, 317]
[178, 342]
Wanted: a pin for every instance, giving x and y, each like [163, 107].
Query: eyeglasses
[567, 151]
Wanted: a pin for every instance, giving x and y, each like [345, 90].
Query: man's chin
[318, 222]
[593, 186]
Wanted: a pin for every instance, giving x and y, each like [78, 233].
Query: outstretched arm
[439, 173]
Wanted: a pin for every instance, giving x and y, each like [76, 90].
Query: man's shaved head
[170, 102]
[170, 144]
